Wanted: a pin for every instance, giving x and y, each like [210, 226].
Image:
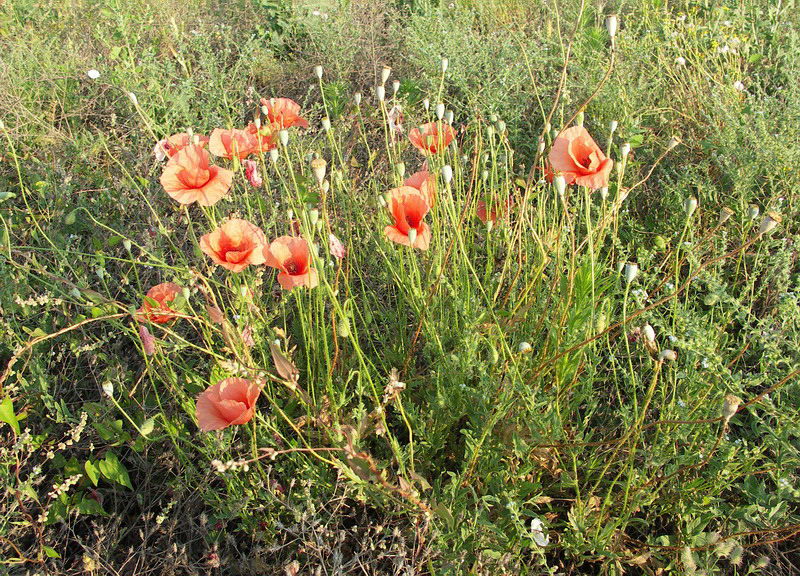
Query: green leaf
[5, 195]
[90, 506]
[114, 470]
[50, 552]
[7, 414]
[92, 472]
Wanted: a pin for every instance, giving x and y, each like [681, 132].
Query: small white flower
[93, 74]
[537, 532]
[738, 86]
[680, 61]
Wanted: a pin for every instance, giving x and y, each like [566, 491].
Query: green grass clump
[596, 382]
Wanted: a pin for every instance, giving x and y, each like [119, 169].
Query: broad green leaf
[7, 414]
[113, 470]
[92, 472]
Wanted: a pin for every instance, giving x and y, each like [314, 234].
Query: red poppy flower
[230, 402]
[432, 138]
[497, 212]
[292, 257]
[409, 208]
[235, 245]
[265, 138]
[284, 112]
[233, 143]
[425, 182]
[190, 177]
[155, 307]
[575, 155]
[168, 147]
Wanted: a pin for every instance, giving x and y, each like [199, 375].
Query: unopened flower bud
[611, 24]
[560, 184]
[400, 169]
[313, 216]
[612, 126]
[447, 173]
[541, 145]
[448, 116]
[689, 206]
[770, 222]
[357, 98]
[753, 211]
[668, 356]
[412, 235]
[133, 98]
[318, 167]
[501, 126]
[579, 118]
[108, 389]
[604, 193]
[326, 186]
[326, 124]
[382, 200]
[630, 272]
[127, 245]
[649, 333]
[426, 104]
[724, 214]
[625, 149]
[445, 65]
[380, 93]
[440, 111]
[273, 155]
[525, 348]
[318, 72]
[283, 136]
[395, 87]
[385, 73]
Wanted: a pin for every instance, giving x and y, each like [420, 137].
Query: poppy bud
[265, 110]
[256, 123]
[313, 216]
[489, 226]
[380, 93]
[525, 348]
[604, 193]
[674, 141]
[447, 173]
[448, 116]
[318, 166]
[485, 174]
[668, 356]
[412, 235]
[630, 272]
[490, 131]
[426, 104]
[612, 126]
[769, 223]
[753, 211]
[283, 136]
[625, 149]
[400, 169]
[318, 72]
[690, 205]
[501, 126]
[724, 214]
[547, 127]
[127, 244]
[611, 24]
[395, 87]
[382, 200]
[730, 406]
[440, 111]
[273, 154]
[445, 64]
[579, 117]
[108, 389]
[343, 328]
[357, 98]
[601, 322]
[541, 145]
[133, 98]
[561, 184]
[326, 186]
[326, 123]
[385, 73]
[649, 333]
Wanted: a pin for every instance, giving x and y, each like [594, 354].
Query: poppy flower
[230, 402]
[497, 212]
[155, 307]
[265, 138]
[432, 138]
[292, 257]
[190, 177]
[284, 112]
[575, 155]
[251, 173]
[168, 147]
[425, 182]
[409, 208]
[234, 143]
[235, 245]
[336, 247]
